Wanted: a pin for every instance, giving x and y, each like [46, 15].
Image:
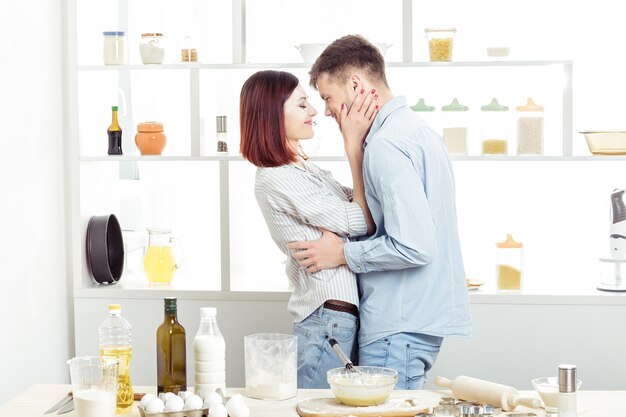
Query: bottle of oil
[171, 353]
[115, 338]
[115, 134]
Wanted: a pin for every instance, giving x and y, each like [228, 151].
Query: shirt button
[358, 268]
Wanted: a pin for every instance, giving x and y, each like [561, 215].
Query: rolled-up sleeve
[409, 239]
[313, 203]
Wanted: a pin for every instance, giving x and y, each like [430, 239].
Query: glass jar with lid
[495, 127]
[440, 42]
[188, 51]
[509, 264]
[114, 48]
[152, 48]
[530, 129]
[455, 127]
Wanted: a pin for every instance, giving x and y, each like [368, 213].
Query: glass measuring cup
[94, 385]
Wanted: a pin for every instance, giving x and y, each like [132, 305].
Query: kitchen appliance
[613, 266]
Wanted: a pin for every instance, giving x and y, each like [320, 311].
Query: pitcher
[159, 262]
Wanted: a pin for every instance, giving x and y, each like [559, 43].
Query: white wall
[35, 340]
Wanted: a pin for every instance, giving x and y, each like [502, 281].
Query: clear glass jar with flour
[114, 48]
[455, 127]
[530, 129]
[152, 48]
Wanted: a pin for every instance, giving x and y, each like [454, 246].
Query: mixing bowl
[548, 389]
[369, 385]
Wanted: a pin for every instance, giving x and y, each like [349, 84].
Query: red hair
[262, 118]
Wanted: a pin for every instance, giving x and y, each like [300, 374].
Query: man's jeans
[411, 354]
[315, 355]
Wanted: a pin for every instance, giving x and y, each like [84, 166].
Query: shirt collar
[389, 107]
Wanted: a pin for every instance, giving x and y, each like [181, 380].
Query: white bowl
[498, 51]
[548, 389]
[310, 51]
[606, 143]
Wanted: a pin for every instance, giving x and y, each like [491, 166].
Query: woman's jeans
[315, 355]
[411, 354]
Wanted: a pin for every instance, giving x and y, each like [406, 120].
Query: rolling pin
[485, 392]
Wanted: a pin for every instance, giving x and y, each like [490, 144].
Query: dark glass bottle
[171, 353]
[115, 134]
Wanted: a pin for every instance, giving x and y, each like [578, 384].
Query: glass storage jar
[440, 42]
[509, 265]
[455, 127]
[114, 48]
[152, 48]
[188, 51]
[530, 129]
[495, 128]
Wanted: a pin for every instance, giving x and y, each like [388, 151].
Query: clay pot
[150, 138]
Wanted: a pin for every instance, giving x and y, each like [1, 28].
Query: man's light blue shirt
[411, 276]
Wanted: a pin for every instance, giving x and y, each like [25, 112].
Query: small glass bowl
[369, 385]
[548, 390]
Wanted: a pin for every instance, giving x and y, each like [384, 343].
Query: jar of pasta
[440, 42]
[495, 128]
[509, 263]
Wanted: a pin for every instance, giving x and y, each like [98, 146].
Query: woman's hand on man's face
[357, 122]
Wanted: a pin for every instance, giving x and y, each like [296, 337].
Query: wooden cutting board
[331, 407]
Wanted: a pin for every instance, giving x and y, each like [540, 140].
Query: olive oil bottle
[171, 353]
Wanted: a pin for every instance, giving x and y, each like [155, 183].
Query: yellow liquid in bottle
[159, 264]
[124, 386]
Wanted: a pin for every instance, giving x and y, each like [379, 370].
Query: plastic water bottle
[209, 350]
[115, 338]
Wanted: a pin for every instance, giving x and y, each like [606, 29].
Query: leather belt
[350, 309]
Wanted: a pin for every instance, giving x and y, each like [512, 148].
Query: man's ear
[356, 82]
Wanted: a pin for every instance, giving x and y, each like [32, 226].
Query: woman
[298, 199]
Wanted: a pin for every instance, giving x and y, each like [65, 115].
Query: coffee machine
[613, 266]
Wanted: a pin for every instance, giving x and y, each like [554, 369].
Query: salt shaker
[222, 135]
[567, 391]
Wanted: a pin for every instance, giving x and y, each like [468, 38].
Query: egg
[193, 402]
[155, 406]
[185, 394]
[146, 399]
[164, 396]
[218, 410]
[239, 409]
[212, 399]
[174, 403]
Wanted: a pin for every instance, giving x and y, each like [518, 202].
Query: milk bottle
[209, 351]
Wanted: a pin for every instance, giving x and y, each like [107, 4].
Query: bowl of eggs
[365, 386]
[188, 404]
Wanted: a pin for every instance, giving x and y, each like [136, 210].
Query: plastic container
[440, 43]
[115, 342]
[455, 127]
[495, 128]
[150, 138]
[428, 113]
[530, 128]
[152, 48]
[509, 265]
[114, 48]
[209, 352]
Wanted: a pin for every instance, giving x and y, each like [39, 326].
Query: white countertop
[38, 398]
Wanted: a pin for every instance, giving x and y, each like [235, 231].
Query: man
[411, 278]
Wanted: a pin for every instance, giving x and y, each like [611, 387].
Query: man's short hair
[346, 54]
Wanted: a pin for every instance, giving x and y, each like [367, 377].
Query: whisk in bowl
[350, 368]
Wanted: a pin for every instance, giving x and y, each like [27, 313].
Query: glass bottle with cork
[509, 264]
[115, 134]
[171, 351]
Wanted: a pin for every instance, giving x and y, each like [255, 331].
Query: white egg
[193, 402]
[218, 410]
[235, 399]
[185, 394]
[212, 399]
[155, 406]
[239, 409]
[146, 399]
[174, 403]
[164, 396]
